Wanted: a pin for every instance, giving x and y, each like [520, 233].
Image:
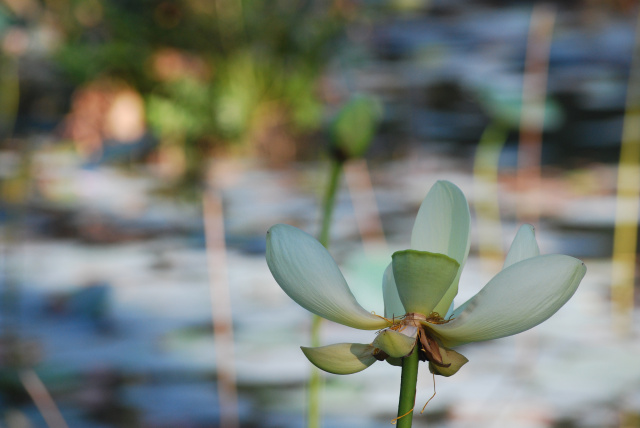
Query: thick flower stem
[408, 381]
[315, 381]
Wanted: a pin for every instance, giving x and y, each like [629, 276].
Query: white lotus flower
[419, 285]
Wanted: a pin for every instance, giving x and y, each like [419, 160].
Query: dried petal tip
[452, 362]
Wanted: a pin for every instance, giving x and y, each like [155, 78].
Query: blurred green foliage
[209, 71]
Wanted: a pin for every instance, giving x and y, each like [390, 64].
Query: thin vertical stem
[42, 399]
[408, 381]
[534, 90]
[13, 192]
[315, 381]
[329, 201]
[625, 239]
[365, 207]
[485, 175]
[221, 308]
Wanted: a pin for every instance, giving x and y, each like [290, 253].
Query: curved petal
[308, 274]
[447, 299]
[450, 358]
[342, 358]
[394, 361]
[443, 226]
[392, 305]
[442, 223]
[396, 344]
[524, 246]
[516, 299]
[422, 278]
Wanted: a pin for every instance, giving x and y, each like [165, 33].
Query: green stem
[315, 381]
[485, 175]
[329, 201]
[408, 381]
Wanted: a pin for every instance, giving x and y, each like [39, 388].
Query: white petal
[392, 305]
[422, 278]
[442, 223]
[308, 274]
[516, 299]
[447, 299]
[443, 226]
[524, 246]
[396, 344]
[341, 358]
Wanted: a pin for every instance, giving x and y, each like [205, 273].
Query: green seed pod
[354, 127]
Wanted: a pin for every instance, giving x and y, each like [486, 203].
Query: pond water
[107, 290]
[123, 332]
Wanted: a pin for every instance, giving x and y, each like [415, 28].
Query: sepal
[341, 358]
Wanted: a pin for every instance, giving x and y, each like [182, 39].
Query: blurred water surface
[106, 286]
[123, 329]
